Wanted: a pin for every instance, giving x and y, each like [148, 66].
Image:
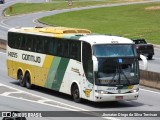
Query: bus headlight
[101, 91]
[135, 90]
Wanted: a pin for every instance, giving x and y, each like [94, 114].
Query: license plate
[119, 97]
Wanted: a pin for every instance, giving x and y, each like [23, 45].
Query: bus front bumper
[115, 97]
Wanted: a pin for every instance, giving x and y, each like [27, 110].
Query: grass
[22, 8]
[132, 21]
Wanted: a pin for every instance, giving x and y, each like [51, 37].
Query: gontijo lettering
[31, 58]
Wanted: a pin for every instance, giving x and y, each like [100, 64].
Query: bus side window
[29, 42]
[59, 48]
[40, 46]
[75, 50]
[34, 45]
[87, 61]
[18, 41]
[23, 42]
[37, 45]
[66, 48]
[52, 47]
[46, 45]
[11, 39]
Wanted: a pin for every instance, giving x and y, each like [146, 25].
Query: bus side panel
[75, 74]
[10, 68]
[40, 75]
[72, 74]
[56, 73]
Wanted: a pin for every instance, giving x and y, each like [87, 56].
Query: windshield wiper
[119, 71]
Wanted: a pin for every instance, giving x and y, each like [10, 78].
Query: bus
[73, 61]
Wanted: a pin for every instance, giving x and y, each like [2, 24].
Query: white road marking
[39, 103]
[72, 108]
[5, 25]
[3, 53]
[34, 20]
[40, 97]
[8, 93]
[156, 58]
[150, 91]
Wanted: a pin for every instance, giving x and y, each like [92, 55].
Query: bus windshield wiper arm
[121, 72]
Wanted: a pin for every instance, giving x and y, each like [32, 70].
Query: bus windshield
[108, 50]
[116, 71]
[117, 65]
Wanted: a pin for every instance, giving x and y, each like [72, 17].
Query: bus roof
[73, 33]
[51, 30]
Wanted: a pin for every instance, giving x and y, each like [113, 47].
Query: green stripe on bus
[52, 72]
[60, 74]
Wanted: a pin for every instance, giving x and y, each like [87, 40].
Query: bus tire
[28, 80]
[150, 57]
[76, 94]
[20, 78]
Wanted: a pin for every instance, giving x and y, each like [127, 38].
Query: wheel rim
[76, 94]
[28, 84]
[21, 79]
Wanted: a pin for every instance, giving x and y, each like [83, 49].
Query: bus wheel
[28, 81]
[75, 94]
[20, 79]
[150, 57]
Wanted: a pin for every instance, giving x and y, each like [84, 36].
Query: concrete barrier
[3, 44]
[148, 78]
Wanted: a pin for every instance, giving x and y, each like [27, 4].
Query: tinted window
[11, 40]
[46, 45]
[41, 44]
[38, 45]
[87, 61]
[140, 41]
[113, 50]
[18, 40]
[75, 50]
[65, 48]
[22, 42]
[29, 43]
[59, 48]
[52, 47]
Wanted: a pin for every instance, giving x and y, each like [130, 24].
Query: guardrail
[148, 78]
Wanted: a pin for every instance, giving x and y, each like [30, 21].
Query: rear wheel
[28, 81]
[20, 79]
[150, 57]
[76, 94]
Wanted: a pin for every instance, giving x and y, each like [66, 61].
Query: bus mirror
[145, 63]
[95, 64]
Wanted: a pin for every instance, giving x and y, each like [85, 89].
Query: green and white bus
[74, 61]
